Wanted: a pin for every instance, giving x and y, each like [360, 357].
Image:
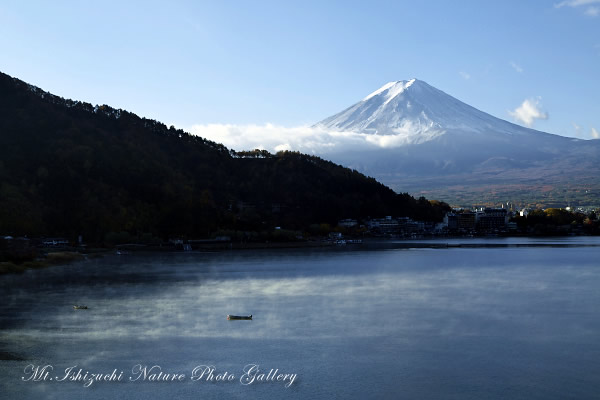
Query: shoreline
[64, 257]
[52, 259]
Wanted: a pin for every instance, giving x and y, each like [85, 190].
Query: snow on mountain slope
[428, 142]
[416, 112]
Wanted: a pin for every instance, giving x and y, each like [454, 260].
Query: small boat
[80, 307]
[232, 317]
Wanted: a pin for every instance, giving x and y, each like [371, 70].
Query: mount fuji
[435, 145]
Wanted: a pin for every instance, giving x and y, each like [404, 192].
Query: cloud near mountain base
[306, 139]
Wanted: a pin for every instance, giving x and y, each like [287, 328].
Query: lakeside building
[450, 221]
[464, 221]
[482, 220]
[386, 226]
[401, 226]
[491, 219]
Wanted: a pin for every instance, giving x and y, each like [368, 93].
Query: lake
[499, 318]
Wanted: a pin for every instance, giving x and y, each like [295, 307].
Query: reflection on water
[464, 323]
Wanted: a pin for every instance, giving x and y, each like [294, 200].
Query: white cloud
[589, 9]
[595, 134]
[465, 75]
[577, 129]
[576, 3]
[528, 112]
[307, 139]
[516, 67]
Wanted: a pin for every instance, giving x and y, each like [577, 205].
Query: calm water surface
[352, 323]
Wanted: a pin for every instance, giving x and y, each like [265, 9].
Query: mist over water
[381, 322]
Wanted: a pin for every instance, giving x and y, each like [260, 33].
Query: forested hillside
[69, 168]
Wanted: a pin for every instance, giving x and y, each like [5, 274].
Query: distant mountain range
[70, 168]
[441, 147]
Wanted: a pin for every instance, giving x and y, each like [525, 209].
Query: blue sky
[295, 63]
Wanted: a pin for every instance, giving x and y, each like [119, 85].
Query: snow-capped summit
[392, 89]
[415, 112]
